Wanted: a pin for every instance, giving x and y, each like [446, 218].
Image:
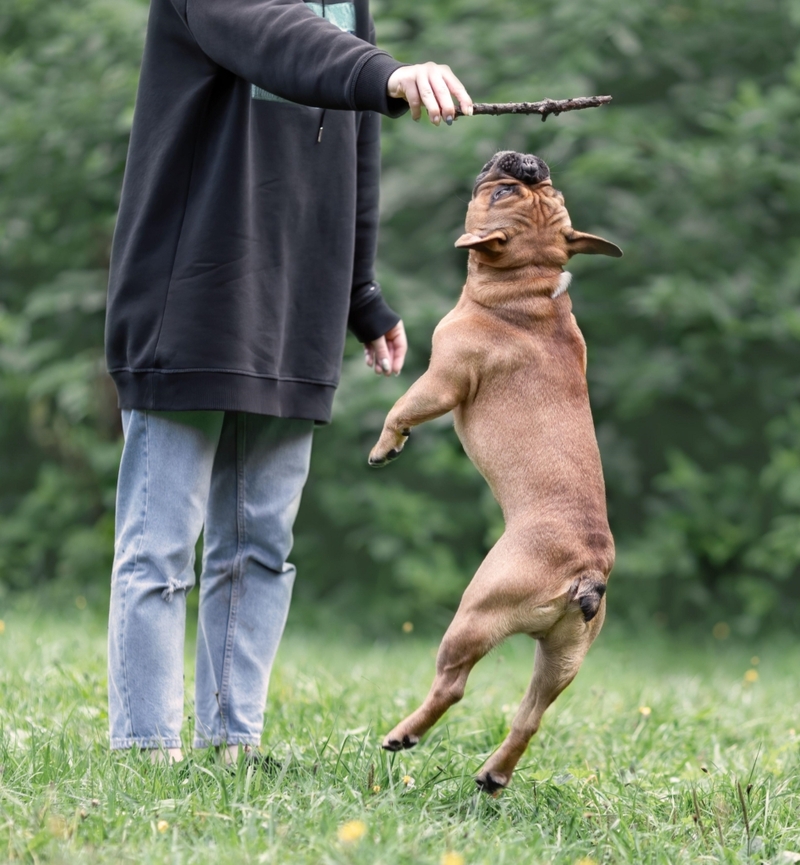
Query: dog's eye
[502, 191]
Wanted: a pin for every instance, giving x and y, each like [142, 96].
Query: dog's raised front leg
[559, 656]
[433, 394]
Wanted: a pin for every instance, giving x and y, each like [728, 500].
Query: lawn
[661, 751]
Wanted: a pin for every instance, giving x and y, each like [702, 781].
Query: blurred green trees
[693, 361]
[68, 75]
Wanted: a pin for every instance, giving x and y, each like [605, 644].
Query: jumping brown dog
[510, 362]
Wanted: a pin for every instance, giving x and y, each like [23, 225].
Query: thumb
[383, 363]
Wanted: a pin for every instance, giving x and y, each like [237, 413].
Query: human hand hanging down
[433, 86]
[387, 353]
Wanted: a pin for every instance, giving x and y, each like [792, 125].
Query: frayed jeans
[241, 476]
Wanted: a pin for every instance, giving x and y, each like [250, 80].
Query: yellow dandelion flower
[721, 631]
[751, 676]
[352, 831]
[645, 711]
[162, 826]
[58, 826]
[408, 781]
[376, 788]
[408, 627]
[452, 858]
[586, 860]
[2, 626]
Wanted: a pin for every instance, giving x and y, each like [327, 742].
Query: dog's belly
[541, 460]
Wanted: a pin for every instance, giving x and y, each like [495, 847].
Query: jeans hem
[145, 742]
[219, 741]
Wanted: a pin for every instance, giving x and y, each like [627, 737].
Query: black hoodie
[247, 228]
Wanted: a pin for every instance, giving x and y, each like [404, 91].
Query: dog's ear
[590, 244]
[473, 241]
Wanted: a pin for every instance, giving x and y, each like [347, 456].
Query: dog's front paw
[376, 460]
[379, 456]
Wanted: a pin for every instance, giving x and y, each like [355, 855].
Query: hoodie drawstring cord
[322, 116]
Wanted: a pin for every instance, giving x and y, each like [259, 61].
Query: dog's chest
[525, 354]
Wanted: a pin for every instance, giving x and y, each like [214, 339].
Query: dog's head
[516, 217]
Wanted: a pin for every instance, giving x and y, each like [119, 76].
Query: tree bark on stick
[545, 107]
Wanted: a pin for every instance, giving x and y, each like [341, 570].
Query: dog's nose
[524, 167]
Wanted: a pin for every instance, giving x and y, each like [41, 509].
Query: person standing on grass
[244, 249]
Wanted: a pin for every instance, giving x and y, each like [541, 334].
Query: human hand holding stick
[433, 86]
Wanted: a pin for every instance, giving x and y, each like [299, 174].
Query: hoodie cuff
[369, 91]
[370, 316]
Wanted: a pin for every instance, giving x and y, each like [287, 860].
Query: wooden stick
[545, 107]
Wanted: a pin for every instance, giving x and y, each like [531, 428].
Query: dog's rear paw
[492, 783]
[395, 743]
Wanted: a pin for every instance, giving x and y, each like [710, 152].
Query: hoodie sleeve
[370, 316]
[284, 47]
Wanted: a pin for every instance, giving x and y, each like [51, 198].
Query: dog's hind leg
[465, 642]
[481, 622]
[492, 608]
[559, 656]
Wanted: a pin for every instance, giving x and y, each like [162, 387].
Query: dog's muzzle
[524, 167]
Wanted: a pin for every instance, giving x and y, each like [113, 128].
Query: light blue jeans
[241, 476]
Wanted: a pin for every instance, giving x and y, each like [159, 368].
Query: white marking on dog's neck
[563, 284]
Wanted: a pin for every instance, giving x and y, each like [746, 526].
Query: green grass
[602, 781]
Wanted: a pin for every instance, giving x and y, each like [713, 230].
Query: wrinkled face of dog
[517, 218]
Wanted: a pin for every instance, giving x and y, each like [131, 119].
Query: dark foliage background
[693, 336]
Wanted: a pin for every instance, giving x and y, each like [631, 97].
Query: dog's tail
[587, 591]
